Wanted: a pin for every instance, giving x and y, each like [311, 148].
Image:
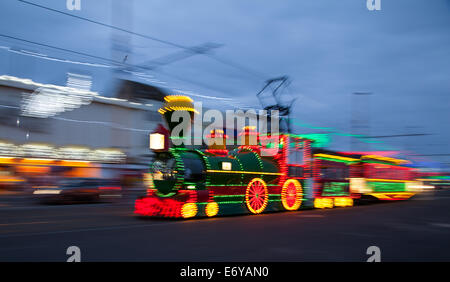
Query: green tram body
[191, 183]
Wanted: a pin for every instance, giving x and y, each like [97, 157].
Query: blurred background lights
[48, 151]
[47, 101]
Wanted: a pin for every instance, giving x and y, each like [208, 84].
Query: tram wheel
[291, 194]
[257, 196]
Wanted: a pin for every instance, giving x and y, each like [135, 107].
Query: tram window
[295, 171]
[295, 156]
[386, 172]
[334, 172]
[193, 170]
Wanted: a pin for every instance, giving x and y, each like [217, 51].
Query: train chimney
[175, 103]
[217, 141]
[249, 137]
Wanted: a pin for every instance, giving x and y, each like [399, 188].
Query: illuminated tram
[284, 174]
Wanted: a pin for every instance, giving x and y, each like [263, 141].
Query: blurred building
[64, 120]
[63, 117]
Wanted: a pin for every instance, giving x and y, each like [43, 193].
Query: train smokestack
[174, 103]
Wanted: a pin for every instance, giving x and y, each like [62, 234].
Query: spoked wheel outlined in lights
[256, 196]
[291, 195]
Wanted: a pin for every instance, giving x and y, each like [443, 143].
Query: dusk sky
[328, 48]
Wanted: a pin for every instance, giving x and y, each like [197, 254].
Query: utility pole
[122, 16]
[360, 118]
[407, 143]
[121, 51]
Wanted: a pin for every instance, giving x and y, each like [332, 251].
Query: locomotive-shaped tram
[283, 172]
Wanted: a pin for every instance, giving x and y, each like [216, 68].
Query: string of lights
[54, 59]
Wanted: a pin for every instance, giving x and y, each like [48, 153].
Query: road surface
[414, 230]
